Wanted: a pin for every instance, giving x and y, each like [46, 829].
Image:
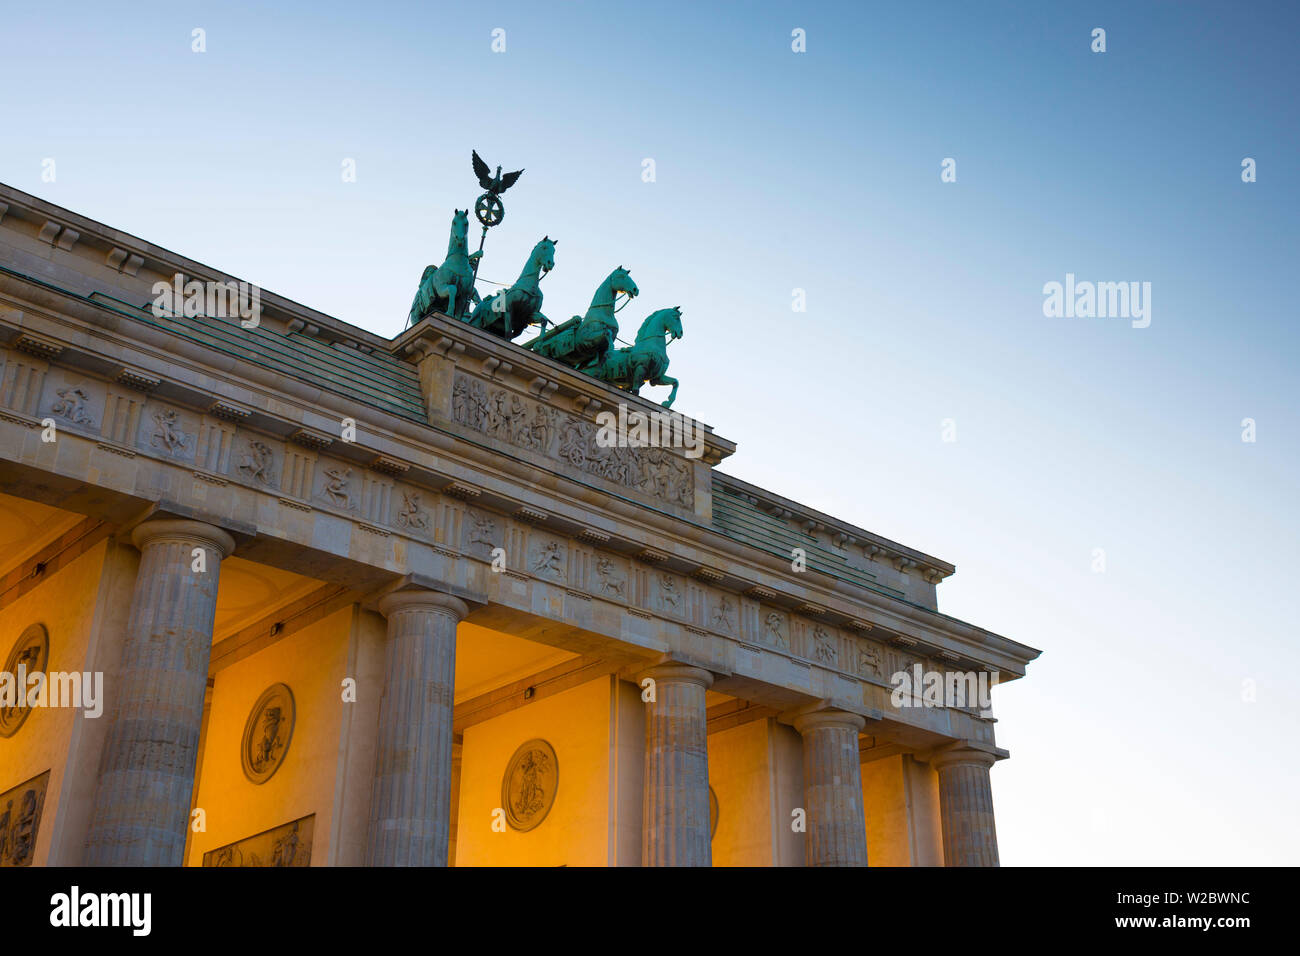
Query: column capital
[962, 755]
[671, 672]
[423, 600]
[182, 530]
[828, 717]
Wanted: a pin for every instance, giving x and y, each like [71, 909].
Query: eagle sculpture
[497, 184]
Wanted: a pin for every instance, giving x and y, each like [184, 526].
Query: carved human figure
[611, 582]
[286, 848]
[168, 434]
[72, 405]
[773, 624]
[410, 515]
[868, 659]
[257, 462]
[668, 591]
[336, 486]
[270, 743]
[722, 615]
[482, 529]
[549, 559]
[823, 645]
[4, 830]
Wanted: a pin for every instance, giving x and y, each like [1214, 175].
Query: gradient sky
[1130, 738]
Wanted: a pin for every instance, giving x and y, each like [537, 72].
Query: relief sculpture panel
[525, 423]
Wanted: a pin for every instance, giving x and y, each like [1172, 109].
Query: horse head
[544, 254]
[620, 280]
[663, 322]
[459, 232]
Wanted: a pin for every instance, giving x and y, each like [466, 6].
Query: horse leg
[667, 380]
[448, 292]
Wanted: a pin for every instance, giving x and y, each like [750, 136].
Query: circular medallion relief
[267, 733]
[528, 788]
[713, 813]
[30, 654]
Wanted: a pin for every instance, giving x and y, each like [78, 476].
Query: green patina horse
[585, 340]
[448, 288]
[647, 360]
[508, 312]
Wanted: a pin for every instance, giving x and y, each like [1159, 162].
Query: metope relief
[524, 423]
[775, 630]
[336, 487]
[547, 559]
[410, 512]
[167, 433]
[257, 463]
[611, 578]
[482, 533]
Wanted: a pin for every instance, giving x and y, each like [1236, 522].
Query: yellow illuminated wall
[756, 771]
[313, 662]
[901, 799]
[598, 732]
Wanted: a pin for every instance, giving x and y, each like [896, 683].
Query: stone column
[966, 807]
[676, 807]
[410, 806]
[146, 773]
[832, 788]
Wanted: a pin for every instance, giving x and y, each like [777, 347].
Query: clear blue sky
[1131, 742]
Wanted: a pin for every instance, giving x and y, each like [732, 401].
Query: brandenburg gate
[352, 600]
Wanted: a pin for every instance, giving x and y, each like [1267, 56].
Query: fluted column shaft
[676, 805]
[832, 787]
[970, 837]
[146, 775]
[410, 806]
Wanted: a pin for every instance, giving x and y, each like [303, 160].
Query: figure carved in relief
[4, 830]
[868, 660]
[549, 560]
[668, 591]
[773, 624]
[611, 582]
[169, 434]
[824, 645]
[722, 616]
[532, 796]
[268, 747]
[482, 529]
[286, 848]
[336, 486]
[257, 463]
[72, 406]
[410, 515]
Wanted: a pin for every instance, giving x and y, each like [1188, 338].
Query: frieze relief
[74, 403]
[170, 433]
[609, 578]
[20, 820]
[547, 558]
[285, 846]
[525, 423]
